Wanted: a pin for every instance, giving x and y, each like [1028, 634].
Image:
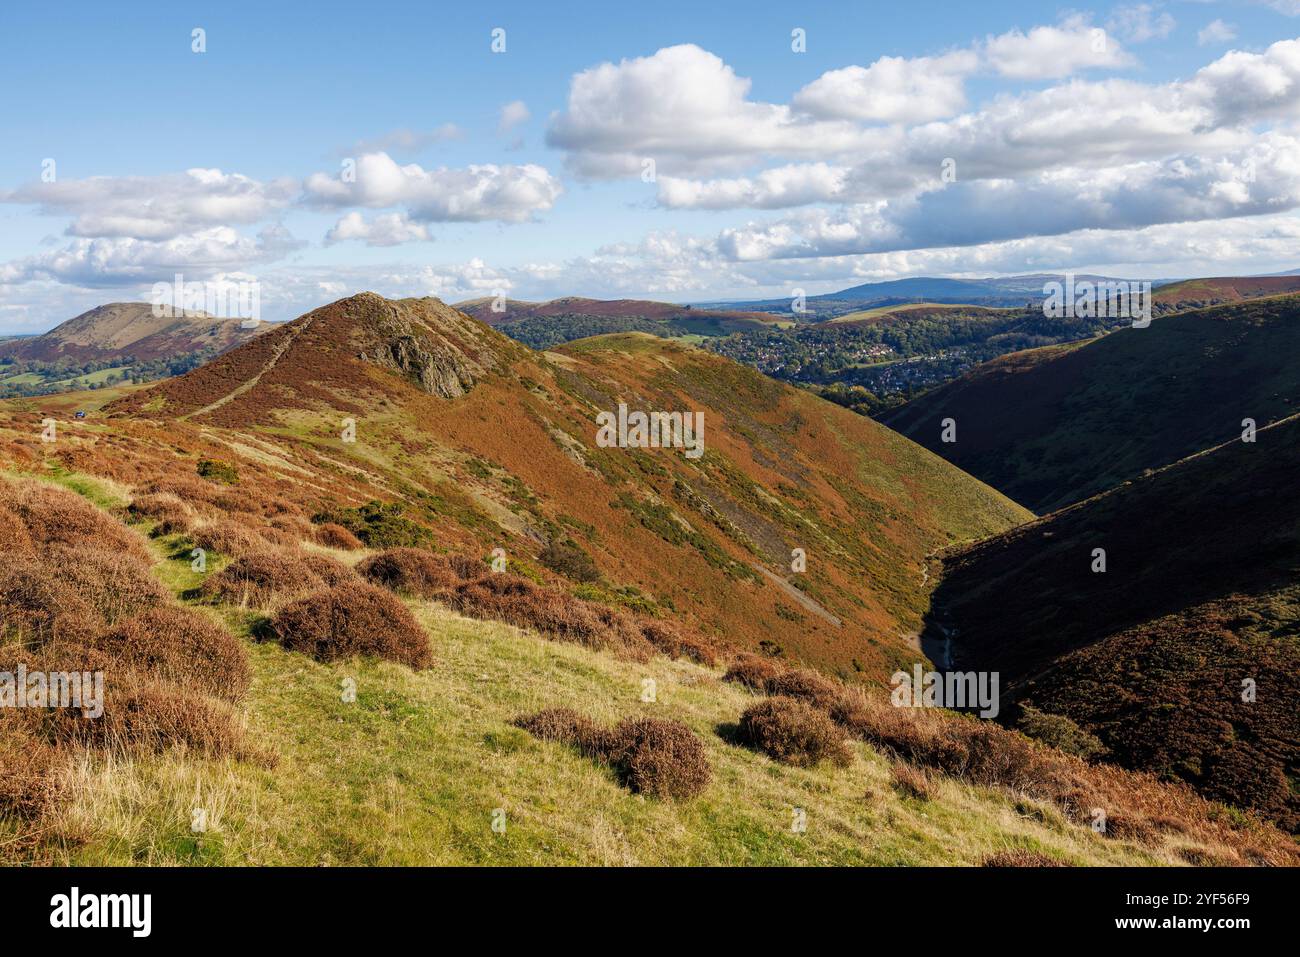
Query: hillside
[1198, 293]
[1198, 595]
[1053, 426]
[115, 342]
[492, 444]
[428, 764]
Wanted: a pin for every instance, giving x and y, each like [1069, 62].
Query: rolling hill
[1052, 426]
[121, 329]
[1198, 602]
[1198, 293]
[114, 342]
[495, 445]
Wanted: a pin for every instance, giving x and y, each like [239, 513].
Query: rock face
[430, 344]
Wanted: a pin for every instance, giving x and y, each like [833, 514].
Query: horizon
[614, 156]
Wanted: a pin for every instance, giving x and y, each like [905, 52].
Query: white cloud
[390, 229]
[687, 110]
[892, 89]
[512, 114]
[510, 194]
[1215, 32]
[1046, 53]
[155, 207]
[1141, 22]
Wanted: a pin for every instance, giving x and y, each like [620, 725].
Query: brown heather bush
[144, 714]
[793, 732]
[190, 489]
[654, 756]
[260, 578]
[675, 643]
[752, 671]
[13, 533]
[116, 585]
[228, 538]
[659, 757]
[182, 646]
[911, 781]
[1022, 858]
[56, 516]
[809, 686]
[334, 535]
[329, 570]
[168, 512]
[517, 601]
[37, 606]
[353, 619]
[410, 571]
[29, 772]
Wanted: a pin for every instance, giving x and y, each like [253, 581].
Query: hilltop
[115, 342]
[1052, 426]
[1198, 293]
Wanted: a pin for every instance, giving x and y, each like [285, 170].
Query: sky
[679, 151]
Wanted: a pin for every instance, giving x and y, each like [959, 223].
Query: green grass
[413, 770]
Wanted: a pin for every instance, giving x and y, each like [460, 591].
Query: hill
[1198, 293]
[543, 325]
[491, 443]
[1052, 426]
[113, 342]
[1198, 602]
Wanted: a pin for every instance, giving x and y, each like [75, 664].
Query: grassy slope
[412, 771]
[1053, 426]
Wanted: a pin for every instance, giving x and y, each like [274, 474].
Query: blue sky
[1147, 139]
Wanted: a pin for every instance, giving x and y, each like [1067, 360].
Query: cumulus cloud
[892, 89]
[390, 229]
[156, 207]
[123, 260]
[686, 110]
[510, 194]
[1047, 53]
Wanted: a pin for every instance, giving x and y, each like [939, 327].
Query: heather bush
[182, 646]
[261, 578]
[1058, 731]
[410, 571]
[793, 732]
[353, 619]
[334, 535]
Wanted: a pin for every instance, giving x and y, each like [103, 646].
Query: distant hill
[129, 329]
[1196, 293]
[1199, 600]
[113, 342]
[1049, 427]
[542, 325]
[1006, 291]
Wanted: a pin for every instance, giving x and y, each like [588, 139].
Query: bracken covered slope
[491, 443]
